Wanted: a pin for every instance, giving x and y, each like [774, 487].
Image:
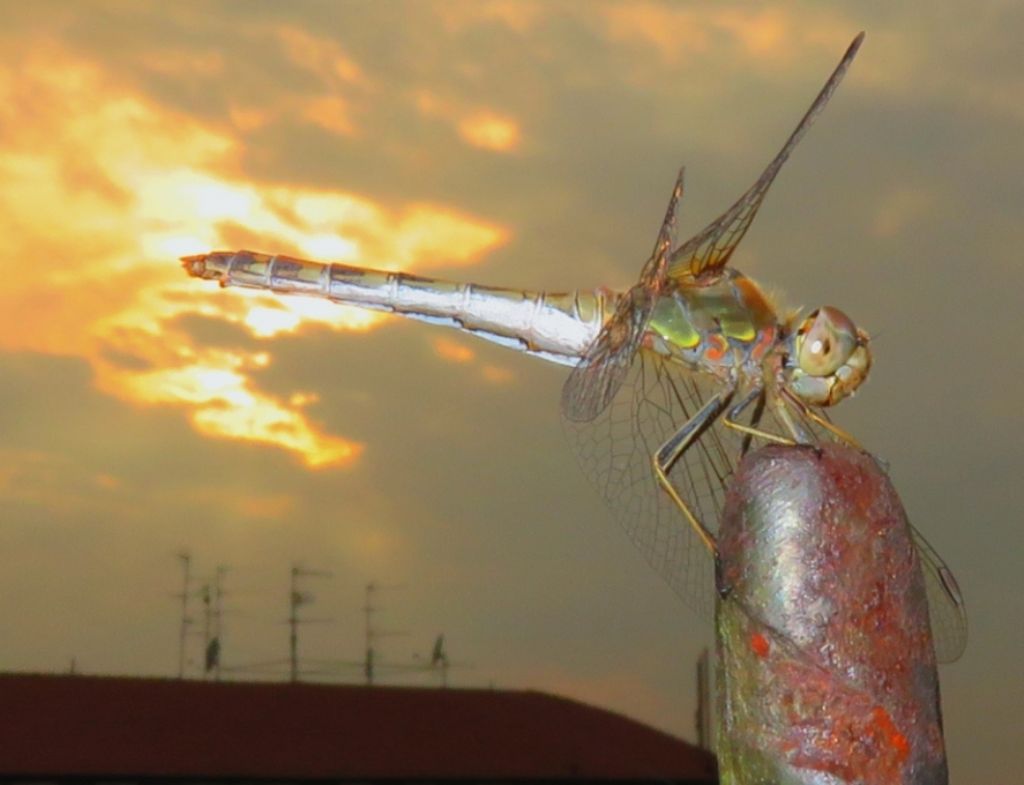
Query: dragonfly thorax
[723, 325]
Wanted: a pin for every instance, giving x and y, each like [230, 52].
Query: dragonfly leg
[815, 417]
[672, 450]
[755, 419]
[757, 395]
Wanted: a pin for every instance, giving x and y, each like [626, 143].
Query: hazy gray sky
[509, 143]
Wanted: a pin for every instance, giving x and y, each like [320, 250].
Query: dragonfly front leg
[672, 450]
[757, 394]
[829, 426]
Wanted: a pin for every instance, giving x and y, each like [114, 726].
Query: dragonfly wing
[655, 272]
[946, 608]
[711, 249]
[596, 379]
[614, 449]
[654, 399]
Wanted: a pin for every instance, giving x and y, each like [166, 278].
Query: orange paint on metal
[759, 644]
[884, 724]
[900, 743]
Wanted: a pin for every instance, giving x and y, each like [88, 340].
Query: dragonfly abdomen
[556, 327]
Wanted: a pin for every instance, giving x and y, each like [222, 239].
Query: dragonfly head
[828, 357]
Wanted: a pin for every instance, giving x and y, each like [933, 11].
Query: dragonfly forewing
[710, 249]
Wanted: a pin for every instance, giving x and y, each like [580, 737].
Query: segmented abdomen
[557, 327]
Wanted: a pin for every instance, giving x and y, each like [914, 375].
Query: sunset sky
[523, 144]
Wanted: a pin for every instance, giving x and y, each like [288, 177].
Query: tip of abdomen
[194, 265]
[208, 266]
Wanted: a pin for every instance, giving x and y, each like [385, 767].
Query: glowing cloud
[102, 188]
[495, 374]
[453, 351]
[223, 404]
[518, 15]
[769, 35]
[490, 131]
[479, 126]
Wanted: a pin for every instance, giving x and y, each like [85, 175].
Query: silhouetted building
[101, 728]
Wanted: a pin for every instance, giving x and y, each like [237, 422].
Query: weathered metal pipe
[825, 660]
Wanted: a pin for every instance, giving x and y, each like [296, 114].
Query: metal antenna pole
[372, 633]
[368, 611]
[186, 562]
[297, 598]
[218, 611]
[206, 597]
[441, 662]
[293, 624]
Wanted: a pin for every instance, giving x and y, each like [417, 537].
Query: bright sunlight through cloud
[102, 189]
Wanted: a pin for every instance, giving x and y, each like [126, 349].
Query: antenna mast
[295, 599]
[372, 633]
[218, 613]
[205, 595]
[186, 562]
[368, 610]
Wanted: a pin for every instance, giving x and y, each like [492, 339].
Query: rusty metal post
[825, 660]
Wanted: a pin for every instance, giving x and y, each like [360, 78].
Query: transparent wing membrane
[615, 448]
[595, 380]
[946, 609]
[711, 249]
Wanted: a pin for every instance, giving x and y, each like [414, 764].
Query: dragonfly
[672, 381]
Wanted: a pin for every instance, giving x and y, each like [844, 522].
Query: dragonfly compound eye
[826, 340]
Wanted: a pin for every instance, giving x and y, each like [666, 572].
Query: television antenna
[212, 596]
[373, 634]
[440, 662]
[296, 598]
[186, 564]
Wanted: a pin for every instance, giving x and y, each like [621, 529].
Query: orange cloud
[223, 403]
[102, 188]
[56, 483]
[769, 35]
[490, 131]
[274, 506]
[322, 57]
[331, 113]
[453, 351]
[481, 127]
[901, 207]
[252, 504]
[663, 27]
[495, 374]
[518, 15]
[337, 83]
[437, 236]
